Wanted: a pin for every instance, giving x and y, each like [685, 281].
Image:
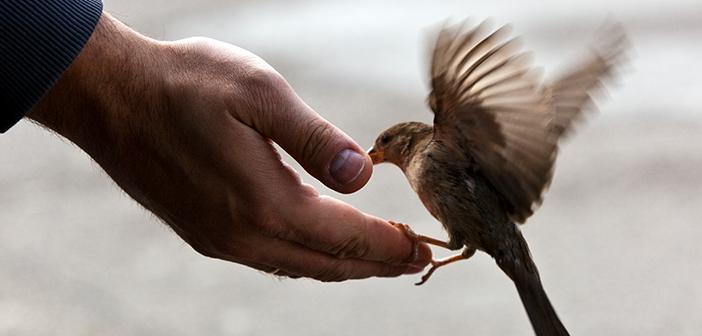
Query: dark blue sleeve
[38, 40]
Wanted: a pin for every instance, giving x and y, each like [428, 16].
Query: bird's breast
[445, 189]
[461, 199]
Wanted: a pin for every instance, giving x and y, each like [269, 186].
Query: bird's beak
[376, 155]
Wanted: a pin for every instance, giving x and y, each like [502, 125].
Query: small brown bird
[485, 164]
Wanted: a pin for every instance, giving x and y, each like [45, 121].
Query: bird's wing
[571, 93]
[488, 103]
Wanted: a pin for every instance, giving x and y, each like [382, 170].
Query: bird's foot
[417, 237]
[413, 236]
[435, 264]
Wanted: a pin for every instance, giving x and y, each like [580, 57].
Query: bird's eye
[385, 139]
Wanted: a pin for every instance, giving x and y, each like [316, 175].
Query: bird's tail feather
[543, 317]
[519, 266]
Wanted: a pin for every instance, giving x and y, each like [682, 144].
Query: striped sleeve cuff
[38, 40]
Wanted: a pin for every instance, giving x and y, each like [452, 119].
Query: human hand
[185, 128]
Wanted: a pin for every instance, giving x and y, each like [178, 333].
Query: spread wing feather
[491, 109]
[571, 93]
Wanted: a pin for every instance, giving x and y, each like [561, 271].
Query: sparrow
[483, 166]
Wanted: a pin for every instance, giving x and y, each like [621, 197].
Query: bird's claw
[417, 238]
[412, 236]
[427, 275]
[435, 264]
[405, 229]
[420, 238]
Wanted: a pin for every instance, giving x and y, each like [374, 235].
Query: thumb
[322, 149]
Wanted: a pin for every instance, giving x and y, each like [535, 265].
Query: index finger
[334, 227]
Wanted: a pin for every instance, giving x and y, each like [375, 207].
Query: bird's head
[397, 143]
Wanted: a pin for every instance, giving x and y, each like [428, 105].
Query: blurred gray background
[617, 239]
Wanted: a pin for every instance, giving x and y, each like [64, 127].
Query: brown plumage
[489, 157]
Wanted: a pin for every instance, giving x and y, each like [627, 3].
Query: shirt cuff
[39, 39]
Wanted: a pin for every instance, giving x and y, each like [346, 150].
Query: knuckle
[318, 135]
[352, 246]
[201, 43]
[263, 91]
[257, 75]
[336, 272]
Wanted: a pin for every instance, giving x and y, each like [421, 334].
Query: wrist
[106, 89]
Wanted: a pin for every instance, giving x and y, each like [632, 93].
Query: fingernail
[346, 166]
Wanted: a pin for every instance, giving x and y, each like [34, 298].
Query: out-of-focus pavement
[617, 240]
